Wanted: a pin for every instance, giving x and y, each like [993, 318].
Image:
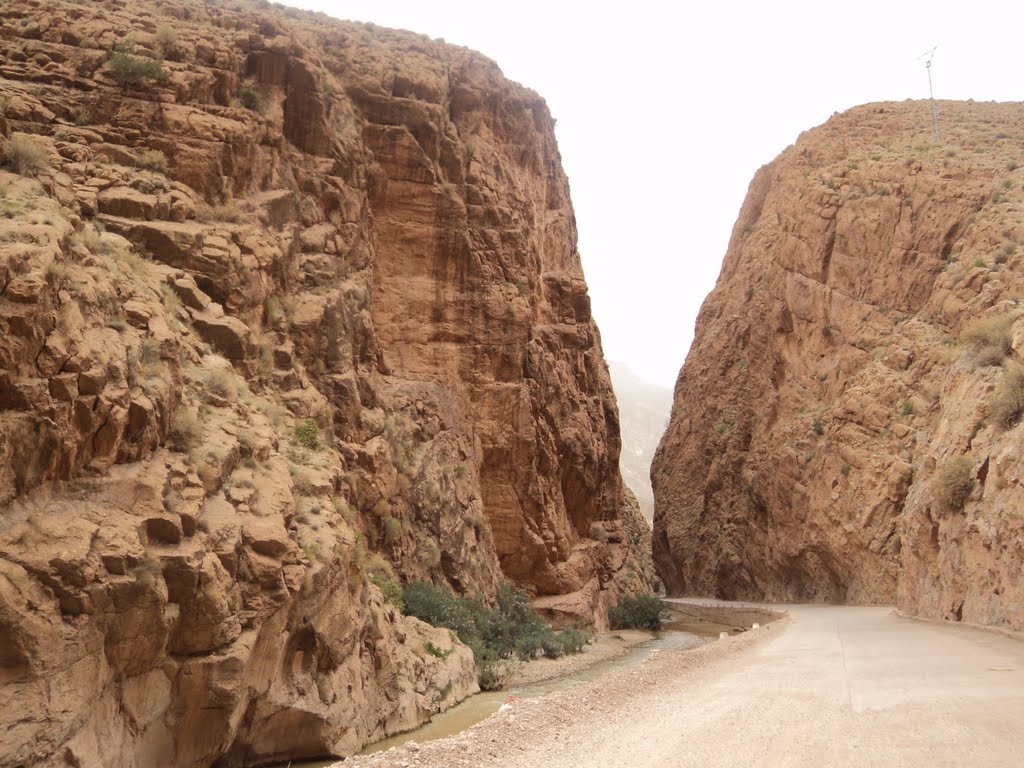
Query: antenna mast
[936, 133]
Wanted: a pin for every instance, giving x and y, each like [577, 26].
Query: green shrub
[433, 650]
[131, 70]
[251, 97]
[1007, 404]
[642, 612]
[498, 636]
[391, 590]
[307, 434]
[26, 156]
[380, 572]
[953, 483]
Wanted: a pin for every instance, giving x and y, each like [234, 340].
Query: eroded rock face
[304, 316]
[826, 387]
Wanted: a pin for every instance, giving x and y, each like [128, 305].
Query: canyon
[846, 425]
[291, 313]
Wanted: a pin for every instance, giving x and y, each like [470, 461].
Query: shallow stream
[681, 632]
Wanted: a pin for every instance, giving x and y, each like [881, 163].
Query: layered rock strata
[290, 311]
[840, 429]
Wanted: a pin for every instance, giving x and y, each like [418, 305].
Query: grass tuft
[953, 483]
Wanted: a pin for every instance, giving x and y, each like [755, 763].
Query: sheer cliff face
[864, 326]
[297, 307]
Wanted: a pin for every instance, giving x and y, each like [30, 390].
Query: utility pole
[936, 133]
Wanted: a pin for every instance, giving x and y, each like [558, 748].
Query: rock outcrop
[845, 425]
[290, 311]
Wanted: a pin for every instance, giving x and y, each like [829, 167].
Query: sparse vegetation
[643, 612]
[1007, 404]
[307, 434]
[907, 409]
[153, 160]
[379, 572]
[433, 650]
[953, 483]
[989, 339]
[166, 39]
[221, 382]
[392, 531]
[130, 70]
[186, 430]
[211, 214]
[251, 97]
[26, 156]
[498, 636]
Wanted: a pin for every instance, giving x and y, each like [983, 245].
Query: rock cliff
[290, 311]
[845, 426]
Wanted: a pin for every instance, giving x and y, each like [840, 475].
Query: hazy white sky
[665, 110]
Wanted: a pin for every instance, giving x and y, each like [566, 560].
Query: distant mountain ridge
[644, 409]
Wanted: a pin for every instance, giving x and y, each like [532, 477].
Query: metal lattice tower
[936, 133]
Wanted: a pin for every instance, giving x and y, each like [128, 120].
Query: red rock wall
[336, 334]
[827, 384]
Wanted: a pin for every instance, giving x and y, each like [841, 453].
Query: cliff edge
[846, 425]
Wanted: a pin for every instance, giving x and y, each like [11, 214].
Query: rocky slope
[845, 425]
[290, 310]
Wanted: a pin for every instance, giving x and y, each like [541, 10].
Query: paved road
[830, 686]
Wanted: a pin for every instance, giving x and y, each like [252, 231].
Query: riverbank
[518, 724]
[606, 647]
[828, 685]
[688, 626]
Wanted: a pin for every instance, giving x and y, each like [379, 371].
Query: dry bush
[1007, 404]
[392, 531]
[989, 339]
[166, 39]
[953, 483]
[222, 383]
[186, 430]
[26, 156]
[152, 160]
[210, 214]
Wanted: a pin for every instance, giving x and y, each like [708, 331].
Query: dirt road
[829, 686]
